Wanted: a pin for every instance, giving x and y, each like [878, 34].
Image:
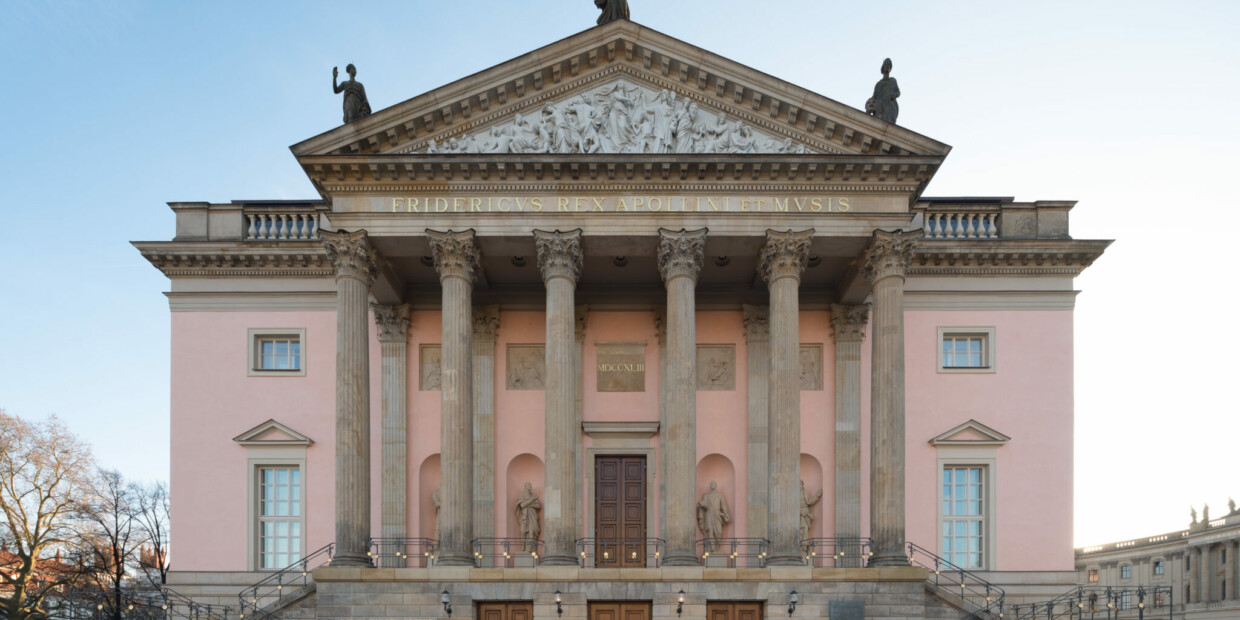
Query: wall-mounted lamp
[792, 602]
[559, 609]
[447, 604]
[680, 602]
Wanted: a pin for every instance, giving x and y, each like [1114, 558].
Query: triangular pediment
[272, 433]
[971, 433]
[534, 103]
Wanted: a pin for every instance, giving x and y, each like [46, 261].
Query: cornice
[1006, 257]
[198, 259]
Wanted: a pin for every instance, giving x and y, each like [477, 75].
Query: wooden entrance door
[619, 611]
[734, 611]
[506, 611]
[620, 511]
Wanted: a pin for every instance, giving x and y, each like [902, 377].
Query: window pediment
[272, 433]
[971, 433]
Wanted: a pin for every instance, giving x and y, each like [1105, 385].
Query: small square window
[966, 349]
[1125, 571]
[1093, 575]
[1158, 567]
[277, 352]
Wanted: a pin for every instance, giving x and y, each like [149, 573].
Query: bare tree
[114, 538]
[153, 512]
[45, 480]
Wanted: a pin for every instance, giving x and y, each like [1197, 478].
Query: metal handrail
[739, 552]
[1097, 602]
[644, 552]
[402, 552]
[970, 588]
[507, 552]
[272, 588]
[836, 552]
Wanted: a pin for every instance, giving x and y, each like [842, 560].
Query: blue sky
[115, 108]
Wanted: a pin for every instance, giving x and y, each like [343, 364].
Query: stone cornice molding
[580, 315]
[1006, 257]
[486, 322]
[784, 255]
[350, 255]
[889, 254]
[848, 322]
[559, 254]
[233, 259]
[392, 321]
[456, 254]
[681, 253]
[757, 321]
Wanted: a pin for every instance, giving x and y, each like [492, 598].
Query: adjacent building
[534, 316]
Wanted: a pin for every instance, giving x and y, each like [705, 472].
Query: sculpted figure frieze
[620, 117]
[430, 357]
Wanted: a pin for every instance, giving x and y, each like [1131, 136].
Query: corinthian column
[848, 330]
[457, 260]
[559, 260]
[782, 260]
[680, 261]
[354, 262]
[486, 324]
[758, 361]
[393, 324]
[886, 260]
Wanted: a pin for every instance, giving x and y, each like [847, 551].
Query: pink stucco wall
[1029, 398]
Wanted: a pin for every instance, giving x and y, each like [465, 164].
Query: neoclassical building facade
[534, 317]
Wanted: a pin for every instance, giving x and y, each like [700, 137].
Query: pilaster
[758, 361]
[848, 332]
[781, 262]
[393, 324]
[457, 260]
[486, 324]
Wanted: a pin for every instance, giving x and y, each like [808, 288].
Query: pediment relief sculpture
[621, 117]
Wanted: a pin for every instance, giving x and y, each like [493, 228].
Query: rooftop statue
[886, 91]
[612, 10]
[355, 104]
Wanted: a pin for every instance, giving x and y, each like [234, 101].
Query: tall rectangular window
[1093, 575]
[279, 516]
[1159, 601]
[963, 515]
[1158, 567]
[1125, 571]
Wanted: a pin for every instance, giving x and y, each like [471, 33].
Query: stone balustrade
[940, 225]
[249, 221]
[987, 219]
[269, 226]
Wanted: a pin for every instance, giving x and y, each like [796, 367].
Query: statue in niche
[886, 91]
[436, 503]
[807, 511]
[612, 10]
[712, 514]
[528, 506]
[1193, 511]
[355, 103]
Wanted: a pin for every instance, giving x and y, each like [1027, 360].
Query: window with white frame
[1125, 571]
[964, 517]
[277, 352]
[1125, 601]
[279, 516]
[966, 349]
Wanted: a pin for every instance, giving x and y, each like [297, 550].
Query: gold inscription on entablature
[620, 204]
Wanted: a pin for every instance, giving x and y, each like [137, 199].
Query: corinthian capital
[680, 253]
[848, 322]
[392, 321]
[889, 253]
[559, 254]
[784, 255]
[757, 322]
[486, 322]
[351, 255]
[455, 254]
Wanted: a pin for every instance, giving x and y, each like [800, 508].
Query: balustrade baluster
[250, 230]
[264, 229]
[284, 226]
[970, 226]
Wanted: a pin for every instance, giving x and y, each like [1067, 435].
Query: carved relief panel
[621, 366]
[527, 366]
[429, 356]
[716, 367]
[810, 357]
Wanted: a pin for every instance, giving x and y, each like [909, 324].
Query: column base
[454, 559]
[680, 559]
[351, 559]
[559, 560]
[889, 558]
[784, 558]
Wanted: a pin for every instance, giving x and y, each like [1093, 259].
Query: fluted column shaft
[1233, 575]
[782, 260]
[758, 361]
[354, 262]
[486, 322]
[457, 260]
[559, 260]
[848, 331]
[680, 261]
[393, 324]
[886, 260]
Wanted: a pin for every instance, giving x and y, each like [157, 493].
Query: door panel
[506, 611]
[620, 513]
[734, 611]
[619, 611]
